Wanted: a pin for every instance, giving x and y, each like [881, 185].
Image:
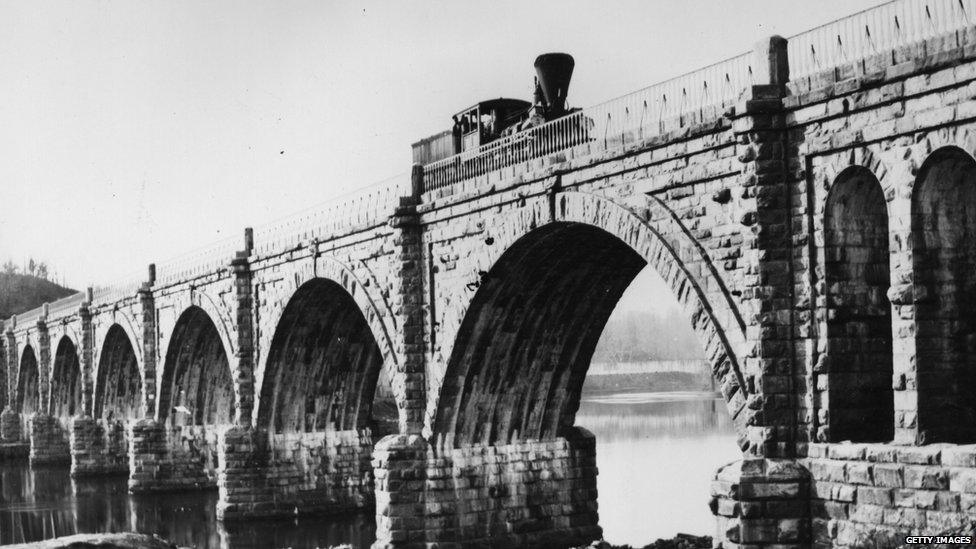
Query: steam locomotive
[490, 120]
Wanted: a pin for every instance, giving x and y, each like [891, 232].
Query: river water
[656, 453]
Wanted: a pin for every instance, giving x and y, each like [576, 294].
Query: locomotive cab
[483, 123]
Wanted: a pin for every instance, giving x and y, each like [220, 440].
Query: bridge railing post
[87, 355]
[407, 297]
[765, 216]
[243, 366]
[771, 62]
[43, 363]
[147, 305]
[417, 183]
[769, 172]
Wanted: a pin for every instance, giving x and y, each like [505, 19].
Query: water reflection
[656, 453]
[45, 503]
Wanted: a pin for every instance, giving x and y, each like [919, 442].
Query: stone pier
[10, 426]
[98, 447]
[263, 476]
[525, 494]
[762, 503]
[49, 440]
[164, 458]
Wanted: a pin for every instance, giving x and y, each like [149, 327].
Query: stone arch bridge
[421, 346]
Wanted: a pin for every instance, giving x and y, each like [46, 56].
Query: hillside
[19, 293]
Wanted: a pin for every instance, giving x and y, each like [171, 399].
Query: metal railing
[202, 261]
[66, 306]
[633, 117]
[362, 208]
[123, 287]
[875, 30]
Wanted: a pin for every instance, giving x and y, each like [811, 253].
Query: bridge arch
[28, 379]
[197, 385]
[118, 384]
[859, 398]
[349, 289]
[118, 320]
[323, 364]
[66, 380]
[943, 228]
[547, 284]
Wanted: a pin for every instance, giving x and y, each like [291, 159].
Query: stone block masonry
[48, 440]
[98, 447]
[762, 503]
[10, 426]
[867, 494]
[525, 494]
[163, 458]
[283, 475]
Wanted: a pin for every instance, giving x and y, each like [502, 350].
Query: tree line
[31, 267]
[636, 336]
[23, 288]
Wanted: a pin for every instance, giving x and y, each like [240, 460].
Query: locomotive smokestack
[554, 71]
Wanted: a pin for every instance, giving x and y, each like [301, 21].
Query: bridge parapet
[880, 30]
[66, 306]
[124, 287]
[200, 262]
[28, 319]
[357, 211]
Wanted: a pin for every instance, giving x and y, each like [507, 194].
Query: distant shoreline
[652, 382]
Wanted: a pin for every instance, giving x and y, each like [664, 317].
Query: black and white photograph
[457, 274]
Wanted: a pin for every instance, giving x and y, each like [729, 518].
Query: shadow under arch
[65, 381]
[943, 224]
[28, 397]
[523, 348]
[859, 359]
[197, 385]
[118, 383]
[324, 366]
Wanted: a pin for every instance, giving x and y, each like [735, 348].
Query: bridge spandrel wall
[214, 295]
[363, 265]
[125, 316]
[902, 123]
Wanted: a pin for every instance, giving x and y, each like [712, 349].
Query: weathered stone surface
[167, 458]
[262, 475]
[98, 447]
[817, 230]
[48, 440]
[10, 426]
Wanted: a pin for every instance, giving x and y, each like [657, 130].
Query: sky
[133, 131]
